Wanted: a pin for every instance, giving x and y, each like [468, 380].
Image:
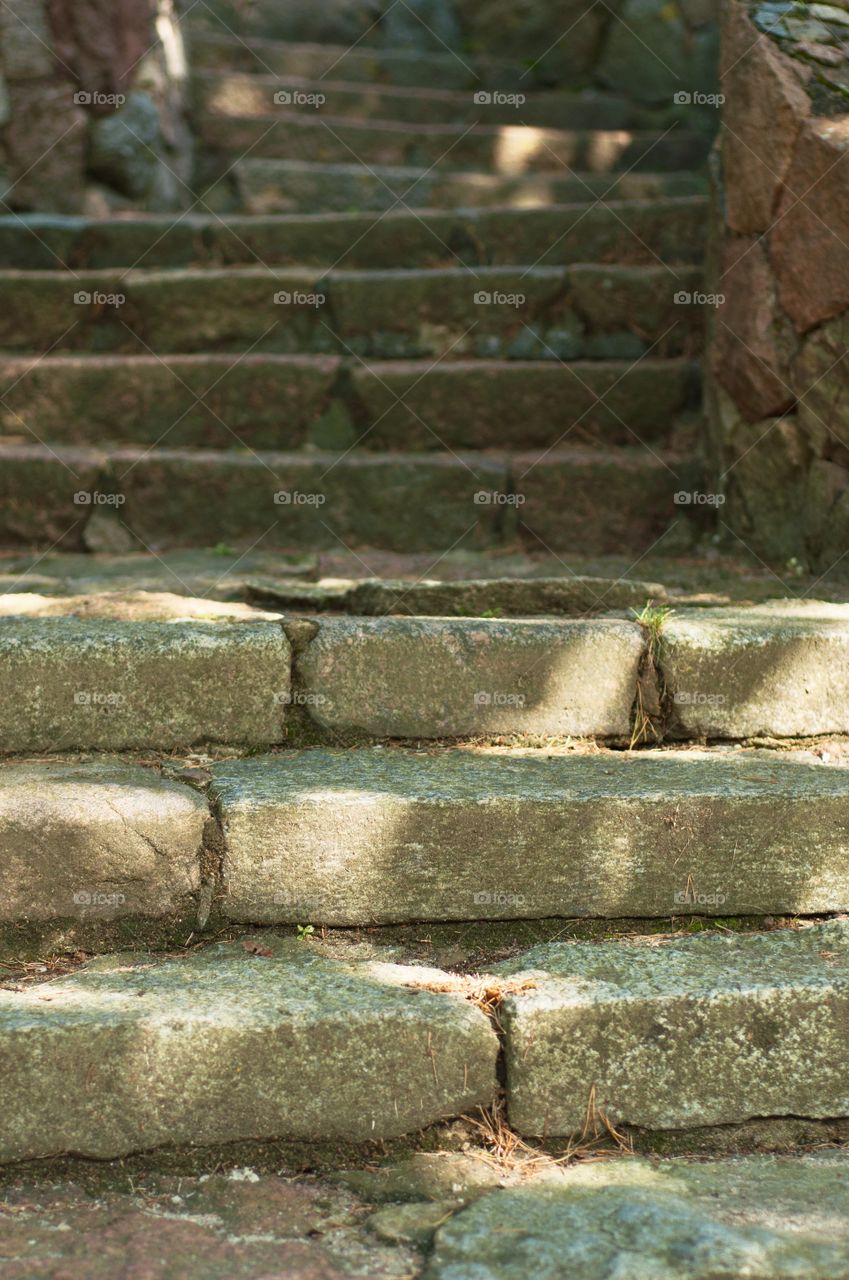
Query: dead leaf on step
[256, 948]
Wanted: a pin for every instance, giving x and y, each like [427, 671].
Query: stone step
[639, 231]
[709, 1030]
[489, 311]
[294, 96]
[378, 836]
[112, 685]
[375, 836]
[300, 186]
[218, 51]
[84, 663]
[500, 149]
[289, 402]
[300, 21]
[402, 502]
[133, 1053]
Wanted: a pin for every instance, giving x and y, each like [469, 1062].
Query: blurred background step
[558, 500]
[292, 402]
[295, 94]
[409, 68]
[287, 186]
[639, 230]
[503, 150]
[536, 312]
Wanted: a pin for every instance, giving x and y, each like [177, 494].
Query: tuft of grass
[653, 619]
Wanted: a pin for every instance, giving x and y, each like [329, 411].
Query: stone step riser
[263, 187]
[397, 502]
[489, 313]
[308, 136]
[335, 404]
[383, 837]
[672, 229]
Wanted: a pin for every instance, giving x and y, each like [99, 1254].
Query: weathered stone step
[299, 186]
[294, 95]
[487, 311]
[699, 1031]
[287, 402]
[498, 148]
[379, 836]
[132, 1053]
[218, 51]
[671, 228]
[774, 1217]
[69, 684]
[182, 498]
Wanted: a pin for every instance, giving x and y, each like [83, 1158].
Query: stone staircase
[483, 325]
[500, 848]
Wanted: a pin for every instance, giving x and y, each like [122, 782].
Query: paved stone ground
[442, 1216]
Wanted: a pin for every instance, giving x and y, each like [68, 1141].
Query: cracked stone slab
[475, 597]
[133, 1052]
[452, 677]
[96, 841]
[780, 668]
[383, 836]
[67, 683]
[764, 1217]
[711, 1029]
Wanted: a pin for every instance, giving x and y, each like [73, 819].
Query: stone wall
[91, 106]
[778, 383]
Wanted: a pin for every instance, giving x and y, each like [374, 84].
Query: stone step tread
[697, 1031]
[267, 186]
[672, 226]
[489, 311]
[215, 401]
[367, 1055]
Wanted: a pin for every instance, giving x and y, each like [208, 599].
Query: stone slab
[780, 668]
[445, 677]
[135, 1052]
[712, 1029]
[384, 836]
[96, 841]
[66, 683]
